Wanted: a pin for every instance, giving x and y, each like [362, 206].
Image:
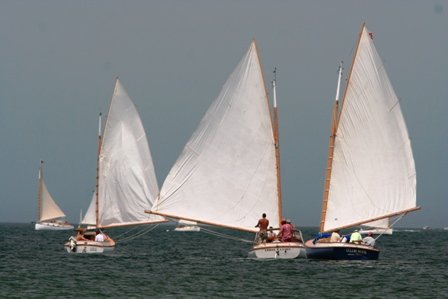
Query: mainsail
[48, 209]
[226, 174]
[127, 183]
[373, 172]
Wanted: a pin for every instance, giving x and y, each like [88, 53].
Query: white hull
[278, 250]
[188, 229]
[52, 226]
[89, 246]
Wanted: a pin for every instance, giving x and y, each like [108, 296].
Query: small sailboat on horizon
[126, 183]
[187, 226]
[228, 174]
[49, 214]
[370, 172]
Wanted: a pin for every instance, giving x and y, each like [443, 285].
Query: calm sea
[168, 264]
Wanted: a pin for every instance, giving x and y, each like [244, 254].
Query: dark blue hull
[340, 251]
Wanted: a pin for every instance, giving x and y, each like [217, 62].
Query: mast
[98, 173]
[39, 190]
[277, 146]
[334, 125]
[353, 63]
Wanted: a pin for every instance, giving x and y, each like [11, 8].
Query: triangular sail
[127, 180]
[48, 209]
[373, 170]
[226, 174]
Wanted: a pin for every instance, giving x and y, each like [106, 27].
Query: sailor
[356, 237]
[263, 224]
[99, 236]
[335, 237]
[369, 240]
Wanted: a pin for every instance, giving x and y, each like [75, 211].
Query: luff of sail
[373, 171]
[48, 209]
[127, 183]
[226, 174]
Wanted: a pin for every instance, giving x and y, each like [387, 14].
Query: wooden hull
[340, 251]
[278, 250]
[52, 226]
[89, 246]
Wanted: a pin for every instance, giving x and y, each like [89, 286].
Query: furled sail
[48, 209]
[127, 182]
[373, 171]
[226, 174]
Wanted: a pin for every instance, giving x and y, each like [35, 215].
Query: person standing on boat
[263, 224]
[369, 240]
[356, 237]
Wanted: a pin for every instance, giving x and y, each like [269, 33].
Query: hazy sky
[58, 60]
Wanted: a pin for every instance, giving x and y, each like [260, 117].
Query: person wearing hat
[356, 237]
[369, 240]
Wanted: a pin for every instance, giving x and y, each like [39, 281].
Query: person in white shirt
[99, 236]
[369, 240]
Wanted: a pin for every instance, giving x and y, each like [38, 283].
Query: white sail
[226, 174]
[373, 173]
[127, 180]
[48, 209]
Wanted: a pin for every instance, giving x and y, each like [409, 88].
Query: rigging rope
[141, 233]
[218, 234]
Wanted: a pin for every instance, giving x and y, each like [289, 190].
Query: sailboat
[370, 168]
[49, 215]
[126, 183]
[228, 173]
[187, 226]
[379, 227]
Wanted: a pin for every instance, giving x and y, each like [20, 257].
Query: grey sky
[58, 60]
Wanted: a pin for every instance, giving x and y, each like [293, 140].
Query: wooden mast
[274, 121]
[39, 190]
[98, 174]
[334, 124]
[277, 148]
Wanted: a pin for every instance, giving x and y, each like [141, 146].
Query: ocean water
[168, 264]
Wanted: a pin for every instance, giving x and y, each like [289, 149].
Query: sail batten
[226, 173]
[373, 170]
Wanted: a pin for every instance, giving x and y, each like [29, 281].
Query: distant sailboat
[187, 226]
[49, 215]
[126, 181]
[370, 170]
[228, 172]
[379, 227]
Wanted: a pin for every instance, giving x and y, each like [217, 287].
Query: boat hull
[278, 250]
[340, 251]
[52, 226]
[89, 246]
